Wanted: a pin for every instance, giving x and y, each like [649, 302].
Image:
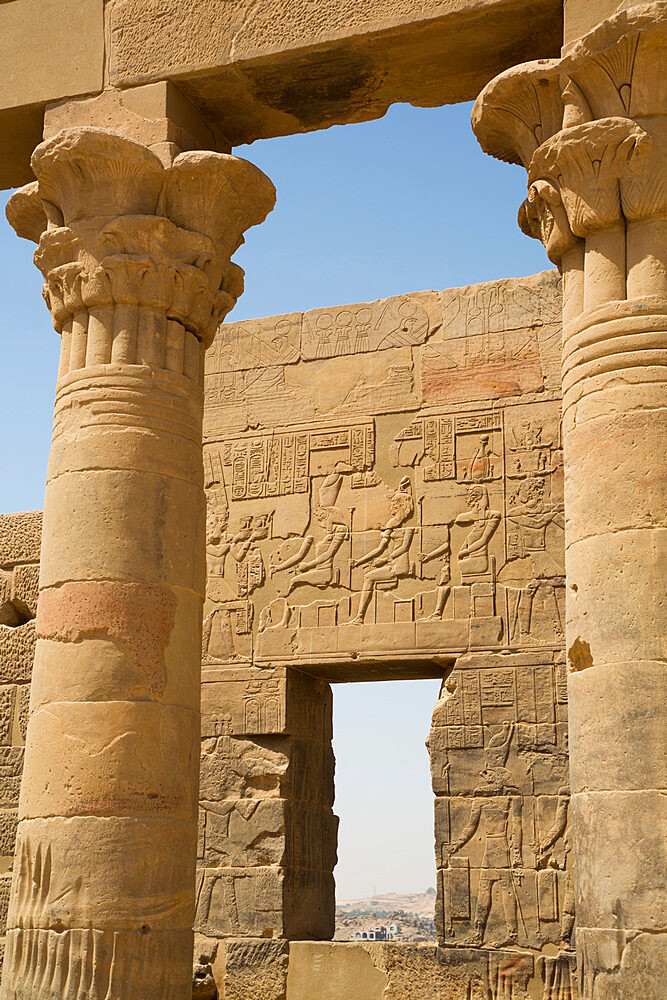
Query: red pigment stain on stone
[138, 615]
[457, 377]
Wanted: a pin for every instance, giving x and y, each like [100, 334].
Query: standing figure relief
[473, 556]
[240, 545]
[228, 625]
[554, 852]
[496, 812]
[530, 557]
[444, 584]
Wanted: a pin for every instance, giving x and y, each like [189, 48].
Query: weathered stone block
[631, 826]
[253, 767]
[5, 886]
[25, 588]
[77, 28]
[17, 652]
[7, 711]
[8, 827]
[9, 792]
[243, 701]
[328, 969]
[233, 902]
[23, 708]
[245, 832]
[309, 905]
[20, 538]
[11, 762]
[112, 760]
[255, 969]
[635, 757]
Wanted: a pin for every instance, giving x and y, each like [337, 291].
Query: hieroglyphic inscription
[279, 464]
[477, 561]
[261, 343]
[498, 750]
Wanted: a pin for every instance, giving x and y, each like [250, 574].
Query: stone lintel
[261, 75]
[257, 70]
[51, 49]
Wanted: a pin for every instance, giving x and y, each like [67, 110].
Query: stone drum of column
[136, 260]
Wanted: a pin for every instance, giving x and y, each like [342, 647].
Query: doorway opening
[385, 875]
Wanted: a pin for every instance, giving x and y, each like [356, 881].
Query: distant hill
[420, 904]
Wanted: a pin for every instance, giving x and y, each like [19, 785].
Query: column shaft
[614, 430]
[106, 843]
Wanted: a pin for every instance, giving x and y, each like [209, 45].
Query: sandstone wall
[385, 501]
[20, 536]
[385, 497]
[419, 433]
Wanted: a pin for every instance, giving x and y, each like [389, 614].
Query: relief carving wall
[385, 500]
[385, 480]
[20, 536]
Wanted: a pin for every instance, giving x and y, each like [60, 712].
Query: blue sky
[364, 211]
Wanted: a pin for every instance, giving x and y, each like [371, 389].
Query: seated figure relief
[473, 555]
[318, 570]
[389, 559]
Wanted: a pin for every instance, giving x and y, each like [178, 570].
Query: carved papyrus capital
[586, 164]
[117, 229]
[619, 68]
[518, 110]
[588, 128]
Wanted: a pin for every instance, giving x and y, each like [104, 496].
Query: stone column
[136, 261]
[591, 129]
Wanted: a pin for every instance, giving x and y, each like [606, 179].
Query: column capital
[115, 227]
[588, 165]
[589, 128]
